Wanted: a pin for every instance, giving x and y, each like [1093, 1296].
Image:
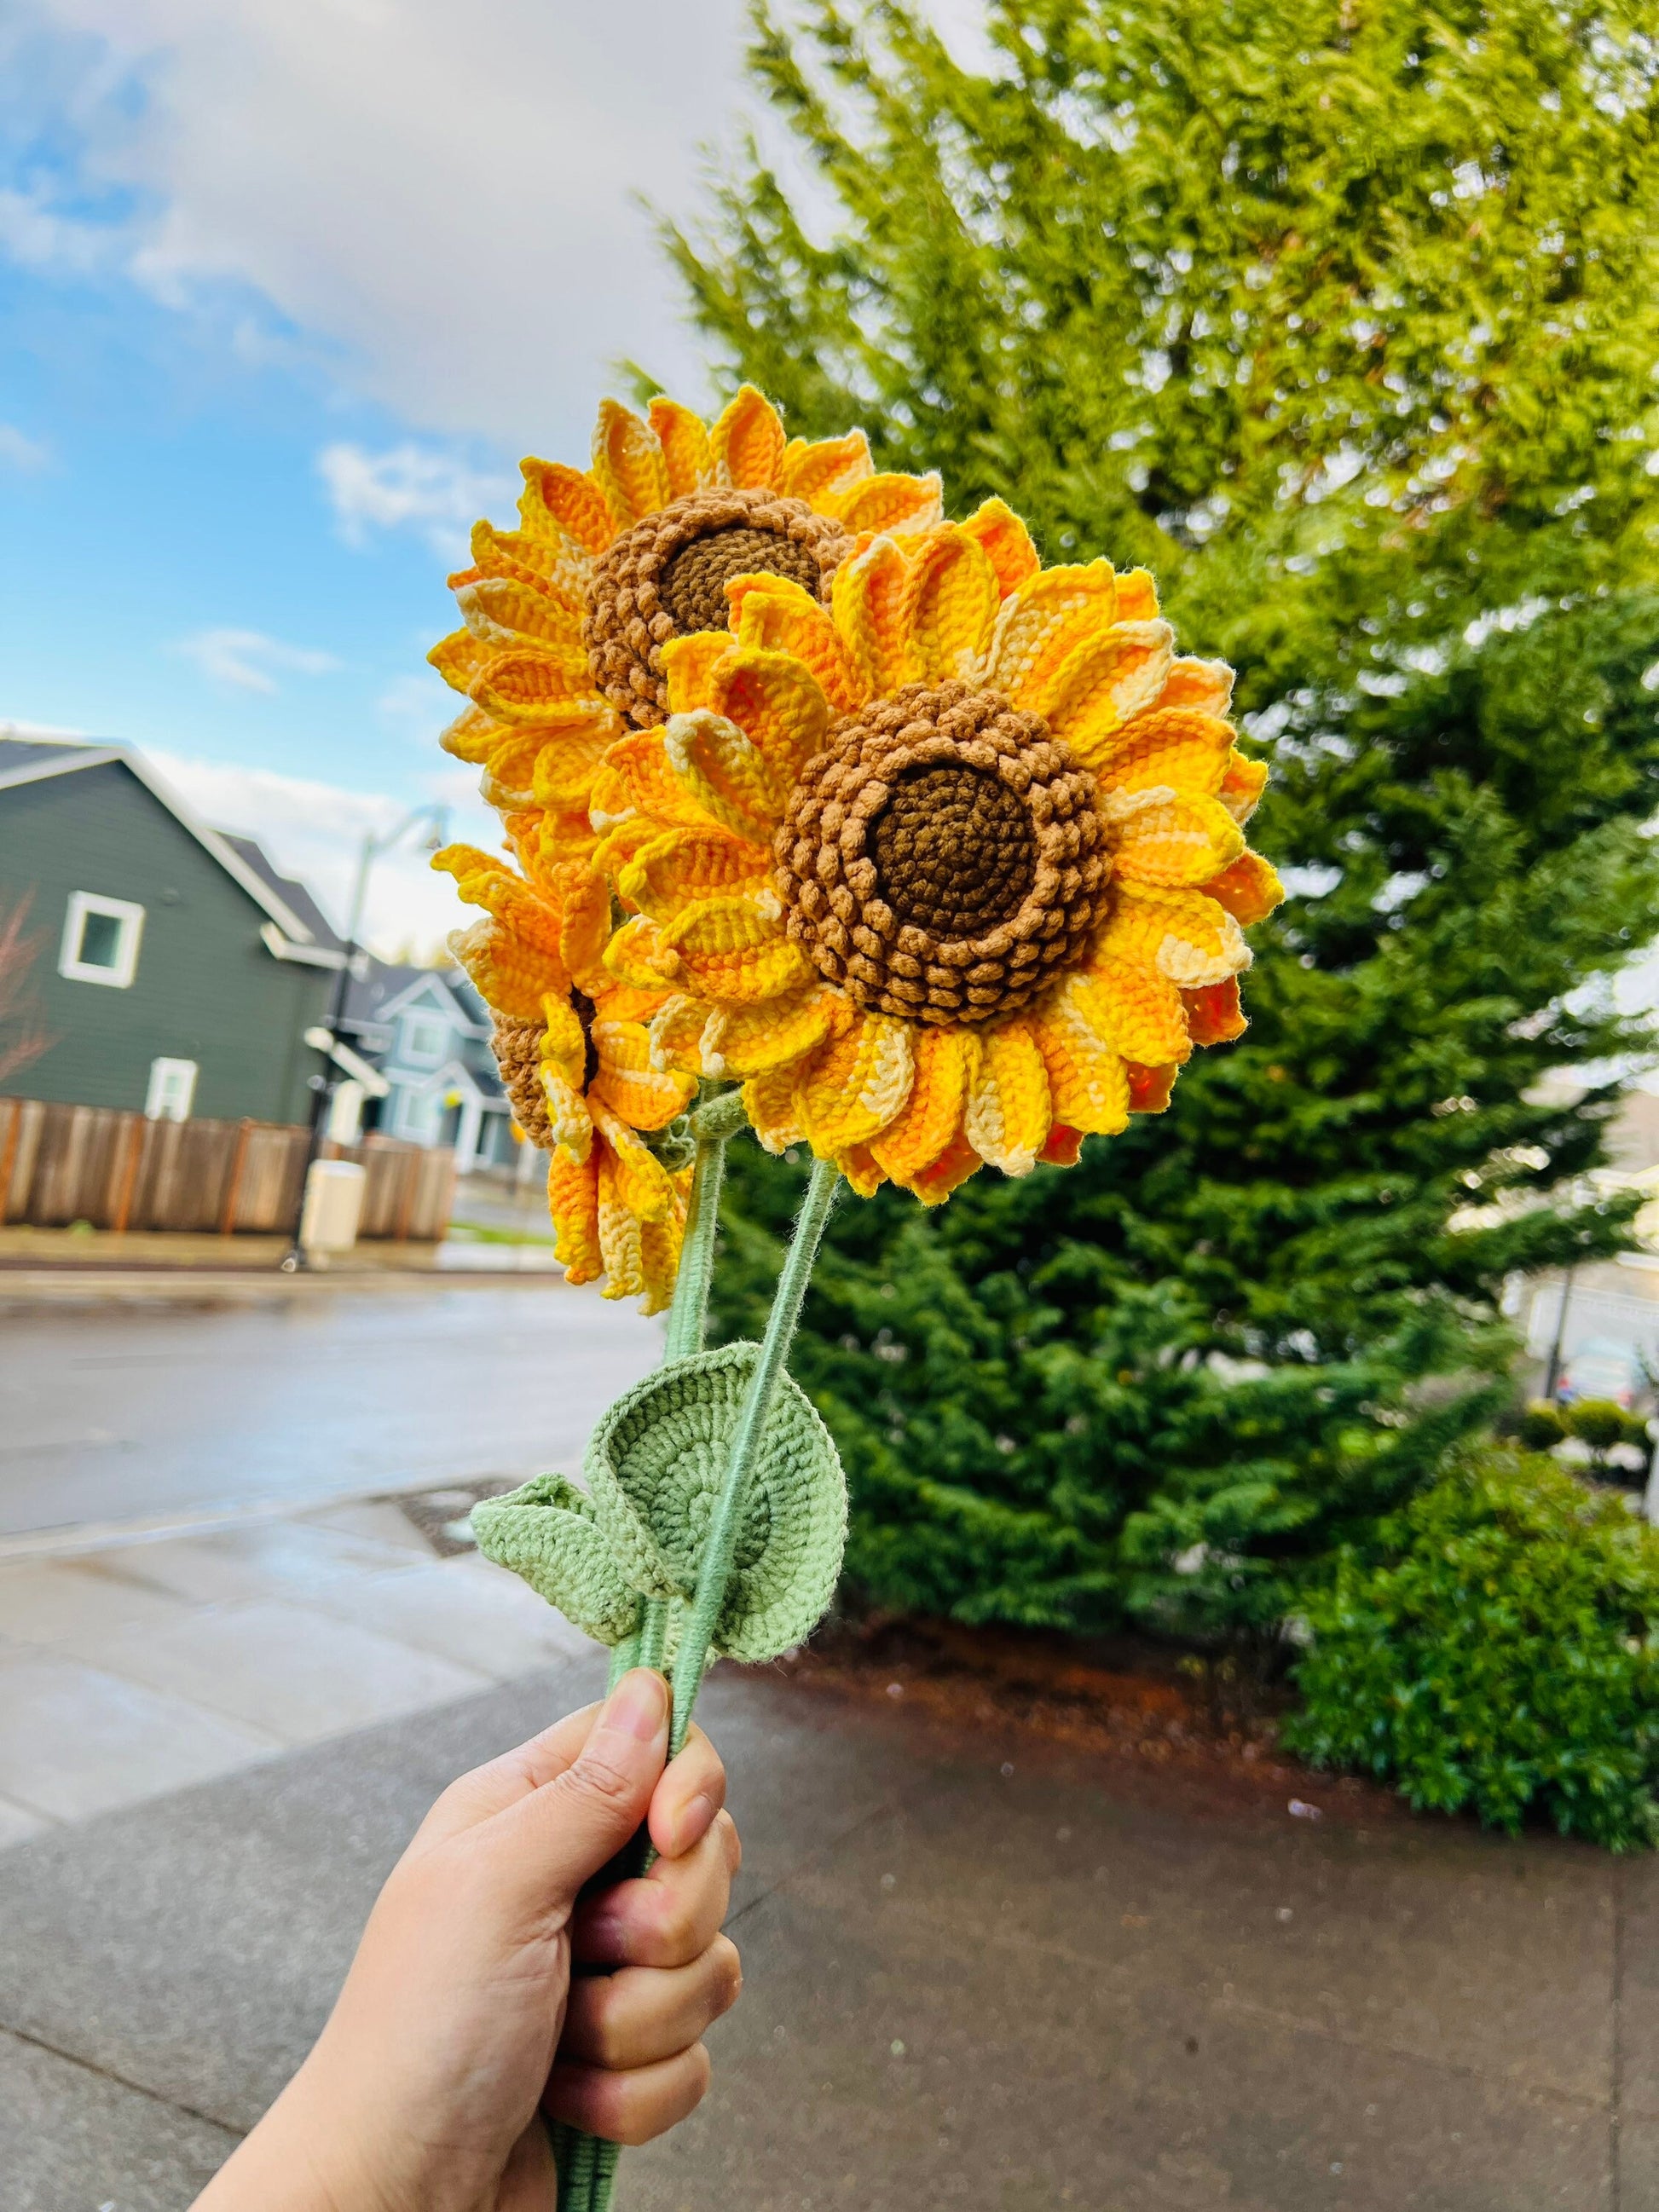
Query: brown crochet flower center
[666, 578]
[942, 861]
[693, 584]
[954, 851]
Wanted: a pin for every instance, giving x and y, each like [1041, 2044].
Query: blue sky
[286, 287]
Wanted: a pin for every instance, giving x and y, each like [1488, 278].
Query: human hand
[459, 2024]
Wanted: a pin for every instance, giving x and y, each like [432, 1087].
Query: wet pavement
[115, 1415]
[973, 1978]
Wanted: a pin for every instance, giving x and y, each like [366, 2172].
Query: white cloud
[19, 450]
[314, 830]
[15, 729]
[248, 660]
[410, 487]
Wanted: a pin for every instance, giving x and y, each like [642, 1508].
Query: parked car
[1601, 1367]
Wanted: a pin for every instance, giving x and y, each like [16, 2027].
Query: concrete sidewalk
[978, 1976]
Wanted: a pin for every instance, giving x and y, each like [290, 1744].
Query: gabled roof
[293, 893]
[389, 989]
[31, 760]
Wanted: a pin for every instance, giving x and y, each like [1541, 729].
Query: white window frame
[416, 1120]
[419, 1055]
[129, 918]
[172, 1090]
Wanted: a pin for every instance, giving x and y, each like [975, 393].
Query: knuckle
[595, 1777]
[727, 1973]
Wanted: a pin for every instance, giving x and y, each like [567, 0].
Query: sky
[286, 286]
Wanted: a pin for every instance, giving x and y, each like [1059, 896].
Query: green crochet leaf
[546, 1531]
[654, 1467]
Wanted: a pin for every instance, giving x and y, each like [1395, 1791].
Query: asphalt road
[124, 1414]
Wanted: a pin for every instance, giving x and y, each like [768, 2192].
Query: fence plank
[60, 1164]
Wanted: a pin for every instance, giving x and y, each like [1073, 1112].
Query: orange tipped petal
[1065, 1147]
[1150, 1087]
[1178, 747]
[746, 444]
[827, 465]
[561, 503]
[1135, 1009]
[1007, 543]
[1187, 936]
[1137, 597]
[684, 444]
[1204, 685]
[641, 1094]
[645, 779]
[934, 1184]
[1214, 1015]
[932, 1120]
[895, 504]
[1249, 888]
[573, 1200]
[629, 466]
[1170, 836]
[1242, 785]
[867, 603]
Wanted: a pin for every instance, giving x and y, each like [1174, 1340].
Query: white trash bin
[332, 1210]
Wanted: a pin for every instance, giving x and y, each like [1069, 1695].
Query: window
[418, 1115]
[100, 939]
[424, 1039]
[172, 1090]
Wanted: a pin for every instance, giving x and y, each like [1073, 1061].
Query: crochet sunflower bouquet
[831, 819]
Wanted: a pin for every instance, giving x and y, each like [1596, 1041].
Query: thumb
[585, 1815]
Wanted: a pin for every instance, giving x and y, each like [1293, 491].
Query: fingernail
[695, 1821]
[638, 1706]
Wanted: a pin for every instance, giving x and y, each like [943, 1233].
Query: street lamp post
[322, 1085]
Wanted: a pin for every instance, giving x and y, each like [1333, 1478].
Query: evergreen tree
[1339, 315]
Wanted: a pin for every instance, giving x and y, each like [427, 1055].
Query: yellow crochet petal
[523, 686]
[646, 780]
[547, 765]
[573, 1200]
[727, 774]
[732, 951]
[638, 1179]
[1214, 1015]
[569, 1121]
[1138, 1012]
[867, 604]
[896, 505]
[1242, 785]
[777, 701]
[689, 663]
[564, 1046]
[826, 467]
[1137, 597]
[1170, 836]
[642, 1096]
[855, 1083]
[1150, 1087]
[1008, 1113]
[769, 1102]
[1007, 542]
[1177, 749]
[471, 735]
[934, 1184]
[746, 444]
[1206, 686]
[684, 443]
[1187, 936]
[950, 604]
[502, 613]
[629, 466]
[1088, 1089]
[561, 569]
[747, 1041]
[932, 1120]
[511, 977]
[634, 956]
[858, 1164]
[771, 614]
[659, 1261]
[1101, 684]
[585, 930]
[682, 866]
[1043, 621]
[1249, 888]
[562, 504]
[459, 658]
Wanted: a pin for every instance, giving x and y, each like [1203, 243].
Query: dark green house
[174, 970]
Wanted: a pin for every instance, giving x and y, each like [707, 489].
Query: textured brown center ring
[942, 860]
[667, 577]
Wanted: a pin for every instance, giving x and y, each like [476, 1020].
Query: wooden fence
[118, 1170]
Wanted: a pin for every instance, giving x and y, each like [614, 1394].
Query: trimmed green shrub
[1497, 1648]
[1601, 1423]
[1540, 1426]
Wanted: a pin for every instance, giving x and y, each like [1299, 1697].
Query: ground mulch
[1160, 1717]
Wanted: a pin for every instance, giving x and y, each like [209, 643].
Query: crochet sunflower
[568, 616]
[575, 1058]
[950, 870]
